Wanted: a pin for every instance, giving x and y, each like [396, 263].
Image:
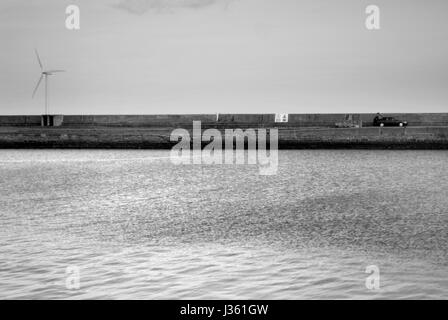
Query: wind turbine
[44, 74]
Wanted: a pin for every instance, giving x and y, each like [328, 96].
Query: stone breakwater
[158, 137]
[222, 120]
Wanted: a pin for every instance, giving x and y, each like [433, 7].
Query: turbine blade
[38, 59]
[38, 83]
[54, 71]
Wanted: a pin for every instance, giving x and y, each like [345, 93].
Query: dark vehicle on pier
[381, 121]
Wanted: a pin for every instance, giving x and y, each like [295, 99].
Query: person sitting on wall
[378, 116]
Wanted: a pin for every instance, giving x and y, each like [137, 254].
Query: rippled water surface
[137, 226]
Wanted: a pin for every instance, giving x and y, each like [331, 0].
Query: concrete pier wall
[426, 130]
[229, 120]
[20, 120]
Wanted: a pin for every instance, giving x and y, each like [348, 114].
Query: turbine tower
[44, 74]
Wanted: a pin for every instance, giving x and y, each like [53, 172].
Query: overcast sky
[208, 56]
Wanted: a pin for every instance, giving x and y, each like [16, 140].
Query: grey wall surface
[222, 120]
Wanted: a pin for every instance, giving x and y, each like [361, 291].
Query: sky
[225, 56]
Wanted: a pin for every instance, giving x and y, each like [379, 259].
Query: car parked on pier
[381, 121]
